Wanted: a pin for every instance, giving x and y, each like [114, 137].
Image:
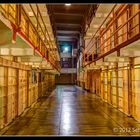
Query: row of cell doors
[118, 87]
[114, 88]
[93, 78]
[121, 89]
[12, 99]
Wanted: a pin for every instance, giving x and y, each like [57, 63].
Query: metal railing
[52, 20]
[9, 11]
[114, 35]
[16, 14]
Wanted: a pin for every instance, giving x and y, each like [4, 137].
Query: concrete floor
[71, 111]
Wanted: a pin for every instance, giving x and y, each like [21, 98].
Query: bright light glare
[66, 49]
[67, 4]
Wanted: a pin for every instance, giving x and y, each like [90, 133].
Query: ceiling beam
[67, 32]
[68, 24]
[68, 14]
[73, 11]
[67, 37]
[68, 28]
[68, 21]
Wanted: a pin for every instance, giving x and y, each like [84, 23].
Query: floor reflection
[71, 111]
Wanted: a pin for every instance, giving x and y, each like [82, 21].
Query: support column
[117, 93]
[17, 92]
[103, 96]
[27, 89]
[130, 98]
[109, 85]
[6, 97]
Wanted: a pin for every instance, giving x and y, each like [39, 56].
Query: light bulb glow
[68, 4]
[66, 49]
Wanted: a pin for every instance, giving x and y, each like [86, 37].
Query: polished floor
[72, 111]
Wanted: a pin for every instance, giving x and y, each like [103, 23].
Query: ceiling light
[68, 4]
[66, 49]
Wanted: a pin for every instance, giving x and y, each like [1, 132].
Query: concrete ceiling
[68, 20]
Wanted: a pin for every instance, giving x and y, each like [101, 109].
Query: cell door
[88, 80]
[97, 84]
[136, 92]
[91, 81]
[120, 90]
[105, 86]
[125, 90]
[12, 94]
[20, 92]
[134, 22]
[109, 86]
[123, 84]
[102, 85]
[24, 86]
[113, 88]
[3, 96]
